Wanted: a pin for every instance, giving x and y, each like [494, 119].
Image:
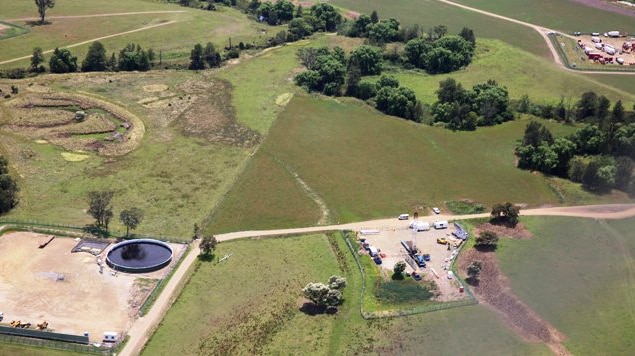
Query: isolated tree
[8, 188]
[95, 60]
[131, 218]
[487, 240]
[100, 207]
[62, 61]
[474, 270]
[399, 268]
[37, 59]
[208, 243]
[505, 213]
[42, 6]
[197, 232]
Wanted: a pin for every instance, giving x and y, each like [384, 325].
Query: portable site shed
[441, 224]
[420, 226]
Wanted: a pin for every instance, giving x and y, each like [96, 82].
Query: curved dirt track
[94, 39]
[98, 15]
[543, 31]
[143, 327]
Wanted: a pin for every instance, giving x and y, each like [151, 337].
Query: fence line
[409, 311]
[31, 225]
[57, 345]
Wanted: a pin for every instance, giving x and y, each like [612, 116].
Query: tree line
[8, 188]
[434, 51]
[331, 72]
[599, 155]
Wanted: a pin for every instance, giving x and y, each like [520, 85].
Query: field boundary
[406, 311]
[22, 30]
[78, 231]
[52, 344]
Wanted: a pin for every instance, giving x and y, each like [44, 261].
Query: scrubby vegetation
[8, 188]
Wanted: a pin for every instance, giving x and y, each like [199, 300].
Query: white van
[373, 251]
[441, 224]
[404, 216]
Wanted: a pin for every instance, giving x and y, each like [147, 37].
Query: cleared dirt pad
[517, 233]
[494, 291]
[66, 289]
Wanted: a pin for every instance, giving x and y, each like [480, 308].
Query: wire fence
[57, 345]
[426, 308]
[71, 230]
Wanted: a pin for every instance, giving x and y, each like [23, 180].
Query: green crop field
[429, 13]
[579, 275]
[174, 40]
[262, 315]
[366, 165]
[22, 9]
[563, 15]
[525, 74]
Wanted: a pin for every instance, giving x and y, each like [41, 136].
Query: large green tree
[100, 207]
[8, 188]
[42, 6]
[37, 59]
[95, 60]
[368, 58]
[131, 218]
[62, 61]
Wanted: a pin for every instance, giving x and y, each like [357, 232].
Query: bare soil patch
[494, 291]
[519, 232]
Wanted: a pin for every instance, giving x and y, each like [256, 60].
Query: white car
[436, 210]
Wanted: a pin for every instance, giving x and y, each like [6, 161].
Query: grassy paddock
[366, 165]
[557, 14]
[262, 316]
[523, 74]
[429, 13]
[578, 274]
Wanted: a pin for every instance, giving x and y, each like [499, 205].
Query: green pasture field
[525, 74]
[621, 82]
[174, 178]
[21, 9]
[174, 41]
[579, 275]
[366, 165]
[429, 13]
[20, 350]
[563, 15]
[264, 278]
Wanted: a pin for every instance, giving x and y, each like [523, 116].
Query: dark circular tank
[139, 256]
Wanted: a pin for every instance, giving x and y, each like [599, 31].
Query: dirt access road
[544, 33]
[142, 329]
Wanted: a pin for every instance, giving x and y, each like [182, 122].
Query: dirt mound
[519, 232]
[493, 290]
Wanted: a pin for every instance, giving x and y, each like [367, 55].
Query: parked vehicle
[420, 226]
[426, 257]
[377, 260]
[441, 224]
[442, 241]
[420, 261]
[436, 210]
[404, 216]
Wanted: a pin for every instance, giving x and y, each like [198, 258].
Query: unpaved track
[95, 39]
[544, 32]
[144, 326]
[97, 15]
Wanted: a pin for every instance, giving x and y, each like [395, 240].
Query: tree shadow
[397, 277]
[34, 23]
[206, 257]
[485, 248]
[312, 309]
[473, 282]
